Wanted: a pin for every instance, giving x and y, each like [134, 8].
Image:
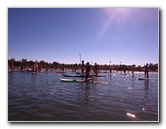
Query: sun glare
[118, 15]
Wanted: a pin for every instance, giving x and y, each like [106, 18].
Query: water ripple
[43, 97]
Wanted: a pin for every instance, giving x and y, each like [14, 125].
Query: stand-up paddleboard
[78, 73]
[67, 80]
[147, 78]
[73, 80]
[103, 72]
[67, 75]
[90, 80]
[61, 72]
[30, 72]
[98, 76]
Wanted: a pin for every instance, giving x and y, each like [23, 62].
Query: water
[43, 97]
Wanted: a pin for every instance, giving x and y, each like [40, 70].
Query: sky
[98, 35]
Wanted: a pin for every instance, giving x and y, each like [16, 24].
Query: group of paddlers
[85, 69]
[34, 68]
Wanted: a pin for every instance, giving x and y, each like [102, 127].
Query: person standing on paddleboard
[95, 69]
[62, 67]
[12, 66]
[132, 69]
[146, 70]
[87, 67]
[82, 67]
[110, 70]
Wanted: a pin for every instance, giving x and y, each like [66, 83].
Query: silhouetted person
[87, 67]
[146, 70]
[95, 69]
[82, 67]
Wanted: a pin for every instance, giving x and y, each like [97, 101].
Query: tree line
[56, 65]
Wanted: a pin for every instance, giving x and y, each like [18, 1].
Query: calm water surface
[43, 97]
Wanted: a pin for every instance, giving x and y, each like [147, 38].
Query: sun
[118, 15]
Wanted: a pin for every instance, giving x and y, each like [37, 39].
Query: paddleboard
[147, 79]
[103, 72]
[77, 72]
[90, 80]
[67, 75]
[31, 72]
[60, 72]
[73, 80]
[67, 80]
[98, 76]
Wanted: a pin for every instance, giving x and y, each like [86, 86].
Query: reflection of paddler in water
[146, 70]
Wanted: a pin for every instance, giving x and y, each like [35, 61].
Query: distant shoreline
[13, 64]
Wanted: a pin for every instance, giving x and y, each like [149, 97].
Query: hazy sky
[126, 35]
